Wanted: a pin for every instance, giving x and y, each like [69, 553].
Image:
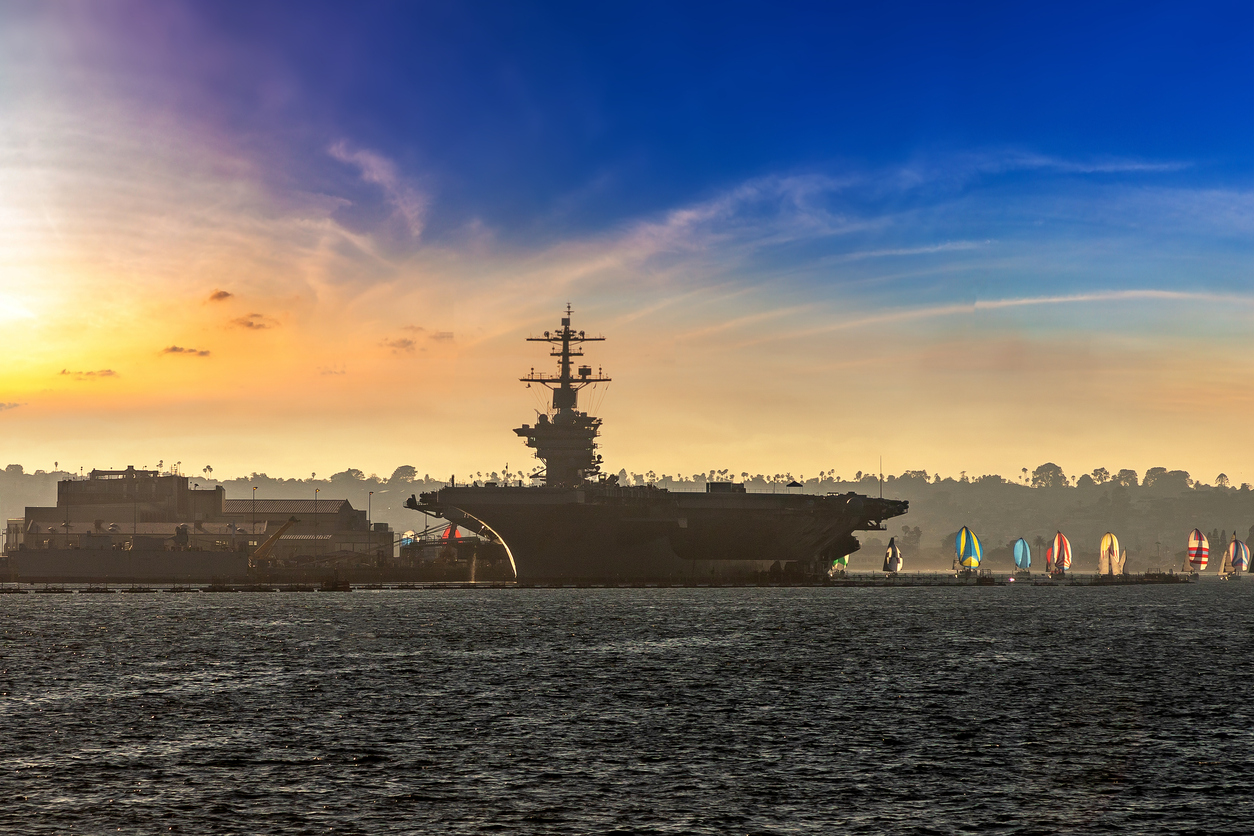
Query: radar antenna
[567, 441]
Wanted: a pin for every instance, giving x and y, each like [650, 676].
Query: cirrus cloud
[407, 202]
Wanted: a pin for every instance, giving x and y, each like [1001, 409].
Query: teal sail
[1023, 554]
[969, 550]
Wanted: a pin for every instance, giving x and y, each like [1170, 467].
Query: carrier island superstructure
[580, 526]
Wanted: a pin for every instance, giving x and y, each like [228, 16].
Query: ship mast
[567, 442]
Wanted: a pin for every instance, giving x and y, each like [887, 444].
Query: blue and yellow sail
[969, 550]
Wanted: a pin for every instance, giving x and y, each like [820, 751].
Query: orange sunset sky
[219, 250]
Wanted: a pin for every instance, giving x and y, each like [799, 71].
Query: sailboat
[1108, 557]
[1121, 561]
[1062, 553]
[1023, 555]
[892, 557]
[1238, 557]
[1199, 550]
[968, 549]
[839, 565]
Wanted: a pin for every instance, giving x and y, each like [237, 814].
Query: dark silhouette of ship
[581, 526]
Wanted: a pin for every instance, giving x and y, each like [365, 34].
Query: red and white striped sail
[1199, 550]
[1062, 552]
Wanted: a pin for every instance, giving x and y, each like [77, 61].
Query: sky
[297, 238]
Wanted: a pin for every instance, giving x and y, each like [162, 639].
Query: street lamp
[315, 546]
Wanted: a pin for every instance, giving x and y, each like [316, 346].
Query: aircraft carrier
[580, 526]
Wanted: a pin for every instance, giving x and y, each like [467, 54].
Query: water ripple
[1004, 710]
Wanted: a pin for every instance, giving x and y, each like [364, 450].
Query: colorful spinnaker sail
[1108, 558]
[892, 557]
[841, 562]
[1239, 556]
[1199, 550]
[1023, 554]
[969, 550]
[1062, 552]
[1049, 559]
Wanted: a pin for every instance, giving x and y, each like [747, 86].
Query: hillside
[1152, 515]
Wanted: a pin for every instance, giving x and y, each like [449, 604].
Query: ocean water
[722, 711]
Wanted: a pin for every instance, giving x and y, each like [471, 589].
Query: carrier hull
[607, 534]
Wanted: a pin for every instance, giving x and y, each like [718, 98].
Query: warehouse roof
[294, 507]
[124, 528]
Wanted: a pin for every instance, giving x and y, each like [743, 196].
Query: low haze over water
[924, 710]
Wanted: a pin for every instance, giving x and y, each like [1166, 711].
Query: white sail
[1103, 564]
[1225, 565]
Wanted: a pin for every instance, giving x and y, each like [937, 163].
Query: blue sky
[877, 203]
[552, 118]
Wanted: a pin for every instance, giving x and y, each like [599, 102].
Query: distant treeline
[1152, 513]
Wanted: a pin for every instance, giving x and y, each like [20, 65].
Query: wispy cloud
[904, 315]
[91, 375]
[376, 169]
[189, 352]
[1107, 165]
[948, 247]
[7, 406]
[220, 296]
[739, 322]
[960, 169]
[254, 322]
[441, 337]
[399, 346]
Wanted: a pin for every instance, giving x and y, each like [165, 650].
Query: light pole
[254, 510]
[195, 487]
[315, 546]
[370, 520]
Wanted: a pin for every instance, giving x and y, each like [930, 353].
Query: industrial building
[174, 524]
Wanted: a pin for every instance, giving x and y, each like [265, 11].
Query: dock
[868, 580]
